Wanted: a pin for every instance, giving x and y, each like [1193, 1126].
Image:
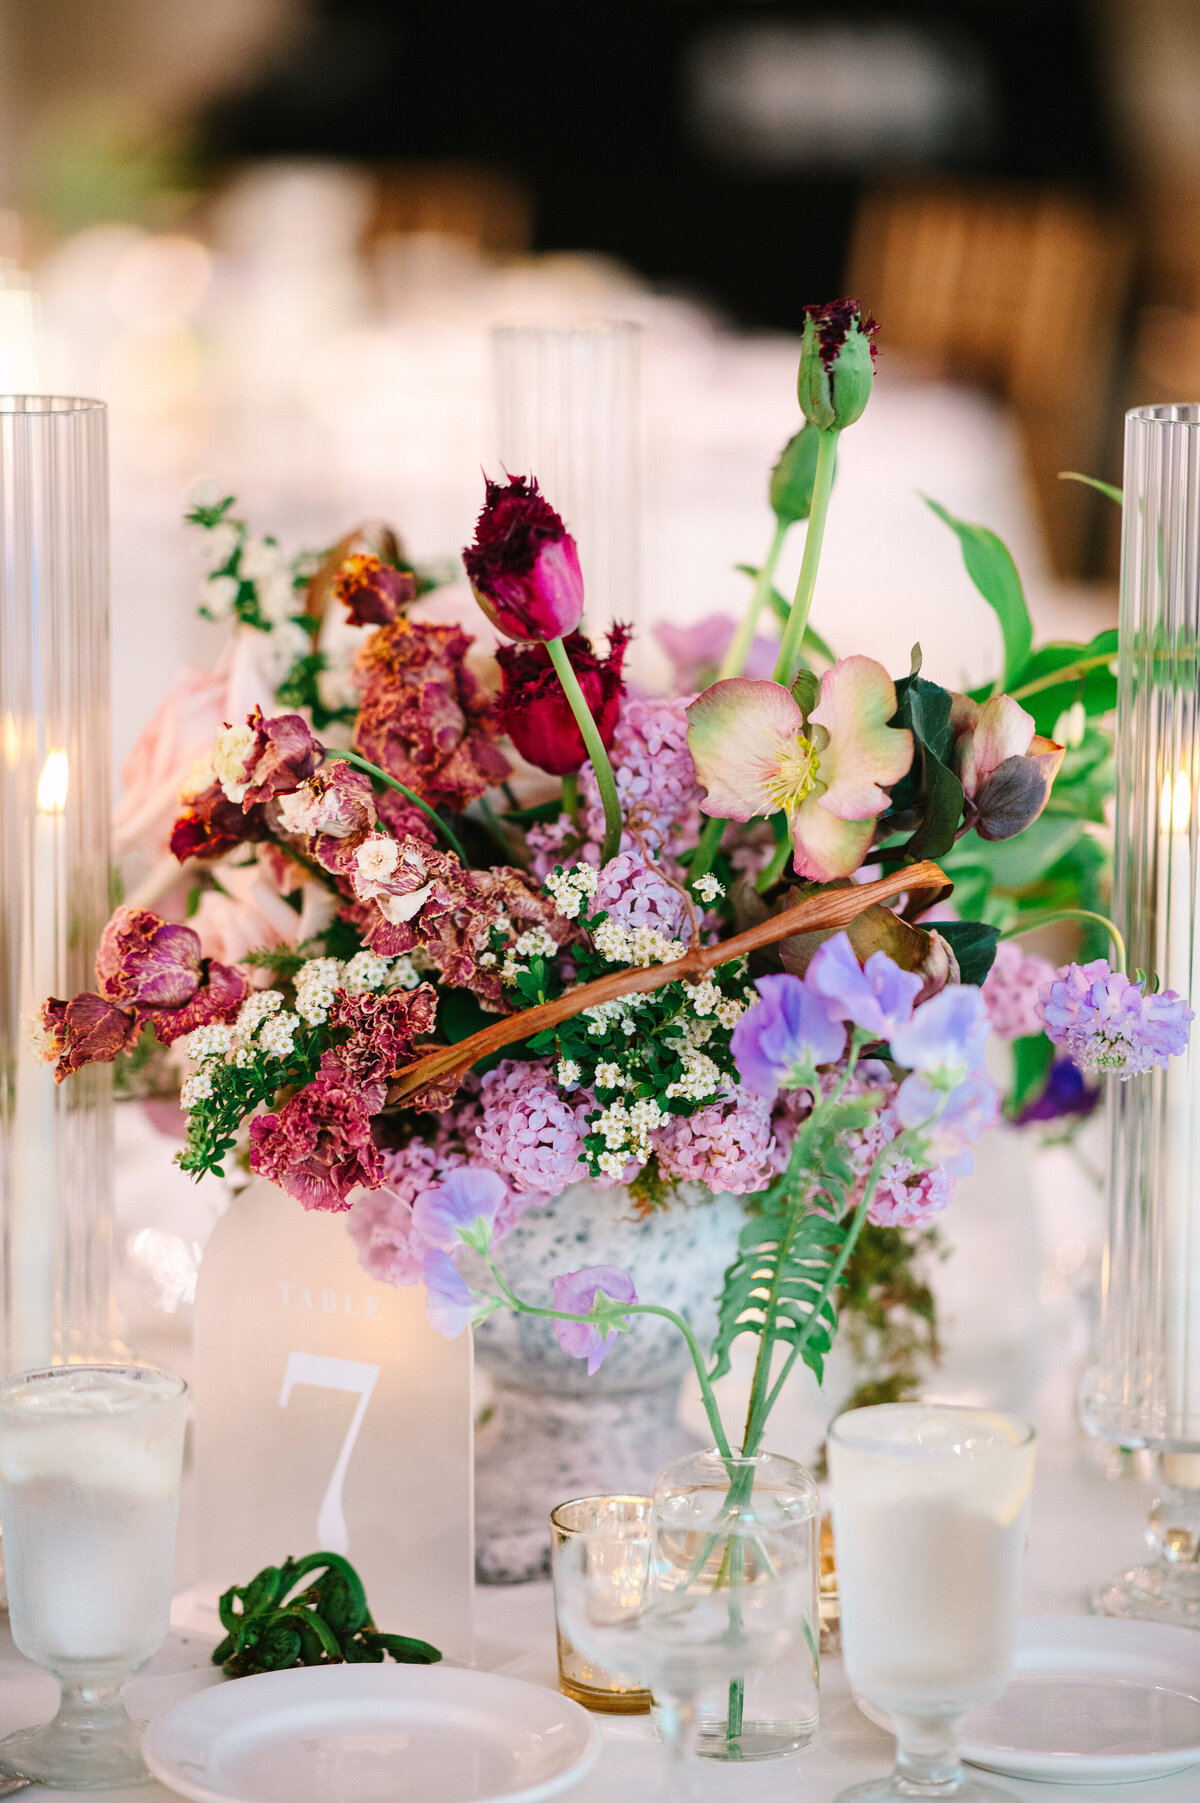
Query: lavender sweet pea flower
[1108, 1023]
[460, 1210]
[970, 1106]
[450, 1303]
[877, 996]
[574, 1294]
[790, 1026]
[948, 1032]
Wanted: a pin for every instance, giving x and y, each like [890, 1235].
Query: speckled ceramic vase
[555, 1433]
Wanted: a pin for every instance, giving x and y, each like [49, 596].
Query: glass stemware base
[894, 1789]
[91, 1744]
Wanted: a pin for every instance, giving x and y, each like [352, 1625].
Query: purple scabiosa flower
[948, 1032]
[461, 1210]
[451, 1303]
[728, 1145]
[527, 1131]
[1010, 990]
[877, 996]
[574, 1294]
[523, 564]
[1108, 1023]
[1067, 1093]
[790, 1025]
[636, 892]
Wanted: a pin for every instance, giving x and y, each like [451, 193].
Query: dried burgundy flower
[374, 593]
[211, 824]
[221, 993]
[424, 717]
[265, 758]
[148, 961]
[837, 364]
[319, 1146]
[335, 809]
[383, 1029]
[535, 712]
[524, 565]
[86, 1030]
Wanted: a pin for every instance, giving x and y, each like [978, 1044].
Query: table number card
[330, 1415]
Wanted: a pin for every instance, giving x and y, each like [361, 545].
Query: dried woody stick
[924, 883]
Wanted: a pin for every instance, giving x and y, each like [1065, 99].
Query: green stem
[777, 866]
[793, 633]
[635, 1308]
[605, 780]
[1066, 673]
[352, 757]
[570, 794]
[743, 638]
[1053, 914]
[707, 847]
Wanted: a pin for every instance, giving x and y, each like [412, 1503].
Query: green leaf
[1032, 1057]
[1015, 863]
[1104, 488]
[774, 1283]
[1087, 677]
[973, 943]
[992, 570]
[925, 707]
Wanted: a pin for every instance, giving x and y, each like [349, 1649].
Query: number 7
[324, 1373]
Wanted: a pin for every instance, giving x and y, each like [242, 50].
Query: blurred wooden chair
[1023, 290]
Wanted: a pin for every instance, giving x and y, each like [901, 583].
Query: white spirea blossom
[195, 1088]
[609, 1075]
[639, 946]
[366, 970]
[317, 982]
[402, 974]
[202, 493]
[708, 888]
[701, 1077]
[218, 595]
[208, 1042]
[218, 545]
[705, 997]
[277, 1036]
[568, 1073]
[536, 943]
[569, 889]
[260, 559]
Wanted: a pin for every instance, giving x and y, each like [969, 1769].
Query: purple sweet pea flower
[970, 1106]
[948, 1032]
[790, 1025]
[1108, 1023]
[574, 1294]
[466, 1200]
[877, 997]
[451, 1304]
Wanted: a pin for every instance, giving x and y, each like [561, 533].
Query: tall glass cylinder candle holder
[55, 1139]
[1144, 1390]
[567, 412]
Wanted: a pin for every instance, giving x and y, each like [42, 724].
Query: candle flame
[1175, 803]
[52, 784]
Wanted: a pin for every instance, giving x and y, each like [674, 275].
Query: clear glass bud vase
[1144, 1389]
[773, 1709]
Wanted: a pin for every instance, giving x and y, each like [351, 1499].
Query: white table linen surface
[1084, 1526]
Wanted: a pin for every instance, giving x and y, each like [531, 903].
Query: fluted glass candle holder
[567, 413]
[55, 1139]
[1144, 1390]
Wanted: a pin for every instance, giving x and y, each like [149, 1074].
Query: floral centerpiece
[518, 927]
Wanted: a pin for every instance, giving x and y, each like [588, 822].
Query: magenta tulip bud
[837, 364]
[523, 566]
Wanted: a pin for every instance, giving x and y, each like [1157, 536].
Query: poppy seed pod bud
[792, 479]
[837, 364]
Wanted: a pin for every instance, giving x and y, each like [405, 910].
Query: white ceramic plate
[372, 1734]
[1092, 1700]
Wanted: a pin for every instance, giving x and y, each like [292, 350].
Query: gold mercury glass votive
[625, 1522]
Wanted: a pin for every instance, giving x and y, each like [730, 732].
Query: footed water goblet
[90, 1460]
[929, 1508]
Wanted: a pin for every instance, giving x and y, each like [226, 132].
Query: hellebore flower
[790, 1026]
[877, 996]
[837, 364]
[461, 1210]
[1108, 1023]
[755, 753]
[373, 593]
[535, 712]
[523, 565]
[575, 1294]
[450, 1302]
[1005, 768]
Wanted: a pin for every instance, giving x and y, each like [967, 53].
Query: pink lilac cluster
[1011, 991]
[727, 1145]
[637, 893]
[1108, 1023]
[528, 1132]
[906, 1195]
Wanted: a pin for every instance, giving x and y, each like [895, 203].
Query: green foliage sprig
[282, 1617]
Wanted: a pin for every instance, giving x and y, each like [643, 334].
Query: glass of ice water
[929, 1510]
[90, 1459]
